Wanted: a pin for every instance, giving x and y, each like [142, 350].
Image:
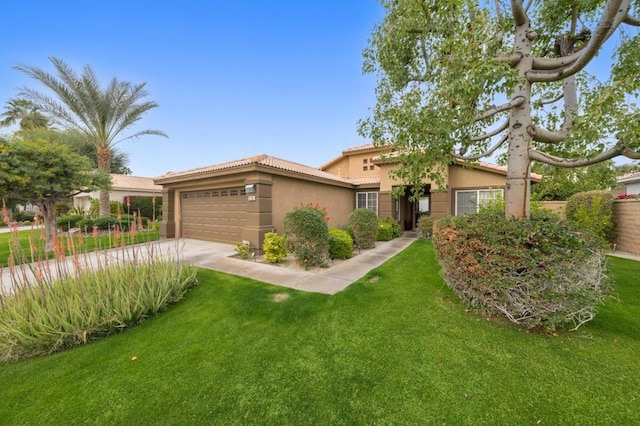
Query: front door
[407, 211]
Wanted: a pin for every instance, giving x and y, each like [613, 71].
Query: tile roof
[367, 180]
[629, 177]
[137, 183]
[265, 160]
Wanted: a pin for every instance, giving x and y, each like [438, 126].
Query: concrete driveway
[218, 257]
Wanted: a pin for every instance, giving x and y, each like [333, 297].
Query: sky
[233, 79]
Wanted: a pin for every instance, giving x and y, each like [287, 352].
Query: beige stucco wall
[626, 216]
[289, 193]
[558, 207]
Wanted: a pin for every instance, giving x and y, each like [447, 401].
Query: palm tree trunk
[104, 164]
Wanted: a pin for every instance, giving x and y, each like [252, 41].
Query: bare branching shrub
[538, 273]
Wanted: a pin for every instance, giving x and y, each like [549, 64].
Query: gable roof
[133, 183]
[259, 160]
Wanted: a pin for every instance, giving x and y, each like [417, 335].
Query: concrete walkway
[219, 257]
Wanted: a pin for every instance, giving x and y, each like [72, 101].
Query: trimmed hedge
[144, 204]
[69, 222]
[425, 226]
[340, 244]
[396, 230]
[537, 273]
[364, 226]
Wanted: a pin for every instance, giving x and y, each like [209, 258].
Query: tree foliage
[558, 184]
[101, 113]
[43, 171]
[465, 79]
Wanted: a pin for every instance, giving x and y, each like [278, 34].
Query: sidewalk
[218, 257]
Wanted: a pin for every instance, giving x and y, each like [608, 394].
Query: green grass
[102, 242]
[394, 348]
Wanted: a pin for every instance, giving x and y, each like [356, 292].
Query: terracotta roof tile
[266, 160]
[629, 177]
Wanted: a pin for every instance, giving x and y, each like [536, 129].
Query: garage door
[214, 215]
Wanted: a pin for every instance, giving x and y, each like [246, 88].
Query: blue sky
[233, 78]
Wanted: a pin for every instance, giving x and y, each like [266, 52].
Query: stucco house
[244, 199]
[121, 186]
[631, 182]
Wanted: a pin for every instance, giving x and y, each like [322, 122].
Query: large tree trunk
[517, 195]
[50, 224]
[104, 164]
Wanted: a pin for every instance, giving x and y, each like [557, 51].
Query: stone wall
[626, 217]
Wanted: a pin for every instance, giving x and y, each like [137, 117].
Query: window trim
[368, 201]
[477, 191]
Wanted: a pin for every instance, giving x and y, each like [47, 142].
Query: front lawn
[89, 242]
[394, 348]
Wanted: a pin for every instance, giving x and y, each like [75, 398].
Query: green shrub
[113, 207]
[364, 225]
[243, 249]
[146, 205]
[69, 222]
[104, 223]
[274, 247]
[26, 222]
[396, 230]
[537, 273]
[385, 232]
[308, 235]
[86, 224]
[425, 226]
[340, 244]
[24, 216]
[592, 210]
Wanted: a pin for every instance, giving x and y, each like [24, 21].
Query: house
[244, 199]
[631, 182]
[121, 186]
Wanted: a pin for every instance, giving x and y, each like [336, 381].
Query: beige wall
[289, 193]
[558, 207]
[626, 216]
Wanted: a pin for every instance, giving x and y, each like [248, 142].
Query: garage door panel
[214, 218]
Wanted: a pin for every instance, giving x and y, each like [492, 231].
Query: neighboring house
[122, 185]
[631, 182]
[244, 199]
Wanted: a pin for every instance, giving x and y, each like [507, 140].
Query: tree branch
[519, 14]
[546, 136]
[484, 154]
[517, 101]
[492, 133]
[614, 13]
[631, 20]
[552, 160]
[549, 101]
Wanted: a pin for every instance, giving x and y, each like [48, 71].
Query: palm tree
[24, 112]
[80, 103]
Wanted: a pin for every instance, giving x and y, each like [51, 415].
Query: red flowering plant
[629, 197]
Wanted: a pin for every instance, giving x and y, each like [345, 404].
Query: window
[371, 167]
[470, 201]
[233, 192]
[364, 161]
[367, 200]
[365, 168]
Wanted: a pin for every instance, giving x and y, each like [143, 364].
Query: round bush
[274, 247]
[364, 225]
[340, 244]
[537, 273]
[396, 230]
[308, 236]
[69, 222]
[385, 232]
[86, 224]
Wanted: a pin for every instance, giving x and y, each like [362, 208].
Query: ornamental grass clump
[538, 273]
[307, 234]
[50, 305]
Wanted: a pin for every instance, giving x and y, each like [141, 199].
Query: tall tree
[42, 171]
[80, 103]
[25, 113]
[464, 79]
